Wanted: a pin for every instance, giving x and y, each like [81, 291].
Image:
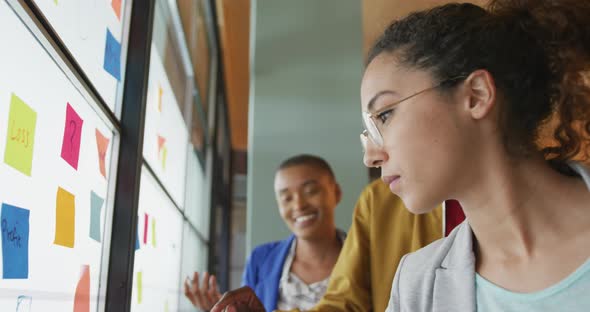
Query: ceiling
[233, 17]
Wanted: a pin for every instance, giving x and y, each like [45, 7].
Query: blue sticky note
[112, 56]
[95, 212]
[137, 234]
[15, 242]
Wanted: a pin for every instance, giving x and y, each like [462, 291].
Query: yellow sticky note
[65, 216]
[160, 92]
[153, 232]
[20, 137]
[139, 286]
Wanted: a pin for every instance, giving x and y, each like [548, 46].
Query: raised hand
[202, 296]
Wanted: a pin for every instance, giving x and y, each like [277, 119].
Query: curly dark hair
[537, 51]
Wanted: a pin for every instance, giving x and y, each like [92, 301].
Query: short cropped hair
[307, 160]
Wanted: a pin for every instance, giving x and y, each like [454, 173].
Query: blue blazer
[264, 268]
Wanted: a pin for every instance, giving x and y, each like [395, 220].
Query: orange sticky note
[116, 4]
[102, 143]
[65, 216]
[82, 297]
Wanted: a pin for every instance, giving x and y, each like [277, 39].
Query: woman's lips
[392, 181]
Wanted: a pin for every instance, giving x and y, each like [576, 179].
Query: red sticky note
[102, 142]
[116, 4]
[161, 142]
[70, 148]
[82, 297]
[145, 228]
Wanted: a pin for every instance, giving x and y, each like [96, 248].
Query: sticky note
[145, 228]
[139, 287]
[23, 304]
[137, 234]
[166, 307]
[164, 156]
[112, 56]
[15, 242]
[102, 144]
[20, 138]
[65, 215]
[136, 241]
[161, 142]
[70, 147]
[153, 232]
[116, 4]
[55, 2]
[82, 296]
[160, 93]
[95, 212]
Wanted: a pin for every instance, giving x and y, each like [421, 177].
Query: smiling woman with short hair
[292, 273]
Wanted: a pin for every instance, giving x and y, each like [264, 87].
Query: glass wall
[63, 134]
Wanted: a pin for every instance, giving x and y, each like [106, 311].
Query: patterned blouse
[295, 293]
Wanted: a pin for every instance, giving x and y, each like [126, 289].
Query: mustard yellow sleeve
[349, 287]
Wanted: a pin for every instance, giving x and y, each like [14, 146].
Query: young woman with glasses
[455, 100]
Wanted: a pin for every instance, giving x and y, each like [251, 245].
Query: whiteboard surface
[196, 210]
[158, 263]
[82, 26]
[163, 119]
[53, 271]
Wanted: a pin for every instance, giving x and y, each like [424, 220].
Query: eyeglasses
[372, 131]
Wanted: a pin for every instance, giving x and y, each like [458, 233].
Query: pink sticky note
[70, 148]
[102, 143]
[116, 4]
[82, 296]
[145, 228]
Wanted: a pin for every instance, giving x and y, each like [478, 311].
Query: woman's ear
[338, 193]
[482, 94]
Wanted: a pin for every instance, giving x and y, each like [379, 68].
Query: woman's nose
[374, 156]
[299, 202]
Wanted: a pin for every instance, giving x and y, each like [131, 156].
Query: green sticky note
[20, 137]
[55, 2]
[153, 232]
[139, 287]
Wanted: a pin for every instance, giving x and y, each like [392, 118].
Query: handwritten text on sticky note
[70, 148]
[20, 139]
[15, 242]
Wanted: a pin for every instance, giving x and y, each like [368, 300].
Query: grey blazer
[441, 276]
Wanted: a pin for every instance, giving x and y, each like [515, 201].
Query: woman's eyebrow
[372, 101]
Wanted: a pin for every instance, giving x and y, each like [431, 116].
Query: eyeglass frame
[369, 118]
